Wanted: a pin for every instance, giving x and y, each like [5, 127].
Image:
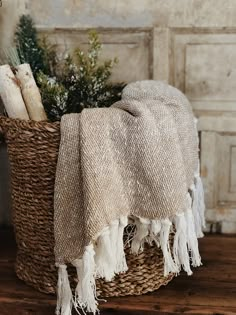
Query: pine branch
[28, 47]
[69, 86]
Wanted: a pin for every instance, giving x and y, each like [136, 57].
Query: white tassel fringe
[198, 205]
[64, 294]
[120, 263]
[85, 292]
[192, 240]
[180, 249]
[114, 230]
[155, 229]
[107, 258]
[142, 231]
[103, 257]
[169, 264]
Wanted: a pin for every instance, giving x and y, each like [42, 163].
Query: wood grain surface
[211, 289]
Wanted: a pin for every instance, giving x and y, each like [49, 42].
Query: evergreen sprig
[54, 96]
[28, 45]
[87, 80]
[70, 85]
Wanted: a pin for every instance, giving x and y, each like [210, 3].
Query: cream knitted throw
[137, 159]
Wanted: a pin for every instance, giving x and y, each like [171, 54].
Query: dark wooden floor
[211, 290]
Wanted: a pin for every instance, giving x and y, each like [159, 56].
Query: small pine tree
[28, 46]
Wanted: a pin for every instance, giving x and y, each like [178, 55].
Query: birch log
[30, 92]
[11, 94]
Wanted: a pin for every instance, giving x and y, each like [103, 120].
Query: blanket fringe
[155, 229]
[103, 256]
[114, 231]
[142, 231]
[78, 263]
[185, 245]
[169, 264]
[120, 263]
[64, 294]
[180, 249]
[198, 204]
[192, 240]
[85, 292]
[106, 257]
[110, 256]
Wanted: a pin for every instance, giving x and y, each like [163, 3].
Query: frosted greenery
[86, 81]
[74, 82]
[29, 47]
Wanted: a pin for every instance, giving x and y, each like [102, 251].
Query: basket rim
[7, 123]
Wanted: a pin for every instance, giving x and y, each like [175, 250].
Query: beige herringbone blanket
[136, 160]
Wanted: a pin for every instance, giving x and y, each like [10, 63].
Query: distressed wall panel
[218, 161]
[209, 161]
[202, 63]
[232, 183]
[133, 13]
[226, 168]
[9, 15]
[133, 48]
[210, 74]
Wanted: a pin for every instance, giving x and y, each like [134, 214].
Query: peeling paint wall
[134, 13]
[9, 14]
[112, 13]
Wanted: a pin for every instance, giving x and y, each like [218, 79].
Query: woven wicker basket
[33, 150]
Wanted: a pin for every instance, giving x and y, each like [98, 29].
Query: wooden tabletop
[211, 289]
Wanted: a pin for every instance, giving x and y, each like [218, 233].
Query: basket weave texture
[33, 150]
